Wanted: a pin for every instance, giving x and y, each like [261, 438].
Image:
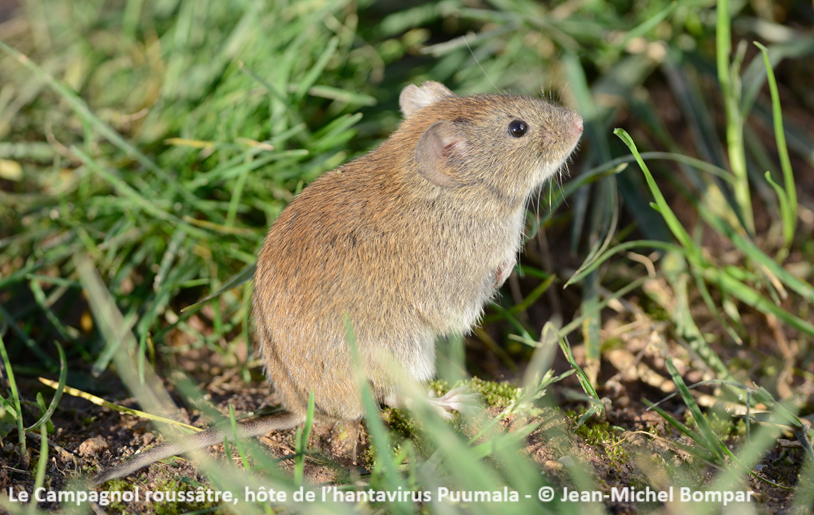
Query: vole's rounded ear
[413, 98]
[438, 145]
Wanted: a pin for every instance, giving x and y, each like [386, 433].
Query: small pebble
[92, 446]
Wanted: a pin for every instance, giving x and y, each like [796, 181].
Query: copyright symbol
[545, 494]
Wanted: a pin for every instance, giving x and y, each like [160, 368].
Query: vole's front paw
[456, 399]
[504, 271]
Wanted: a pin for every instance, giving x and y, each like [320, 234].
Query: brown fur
[407, 257]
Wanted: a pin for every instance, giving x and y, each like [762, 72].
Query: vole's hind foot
[456, 399]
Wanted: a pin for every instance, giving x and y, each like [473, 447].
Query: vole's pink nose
[579, 124]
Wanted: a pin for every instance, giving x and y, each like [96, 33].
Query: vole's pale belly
[474, 283]
[500, 247]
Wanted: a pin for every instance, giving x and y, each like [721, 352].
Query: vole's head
[505, 144]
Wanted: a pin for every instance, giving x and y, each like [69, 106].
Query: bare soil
[632, 447]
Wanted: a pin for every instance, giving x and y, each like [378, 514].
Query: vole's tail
[212, 436]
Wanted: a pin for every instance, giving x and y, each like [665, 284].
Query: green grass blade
[788, 217]
[134, 196]
[804, 493]
[574, 324]
[508, 440]
[647, 25]
[378, 433]
[63, 377]
[120, 409]
[759, 257]
[530, 299]
[701, 451]
[708, 439]
[789, 214]
[710, 303]
[693, 252]
[241, 277]
[302, 441]
[653, 244]
[678, 275]
[752, 298]
[42, 463]
[150, 391]
[730, 88]
[583, 378]
[315, 71]
[39, 296]
[15, 395]
[618, 165]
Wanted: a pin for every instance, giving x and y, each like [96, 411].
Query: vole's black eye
[518, 128]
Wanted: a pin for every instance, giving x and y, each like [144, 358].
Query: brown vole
[408, 242]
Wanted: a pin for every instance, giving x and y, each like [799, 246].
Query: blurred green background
[162, 138]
